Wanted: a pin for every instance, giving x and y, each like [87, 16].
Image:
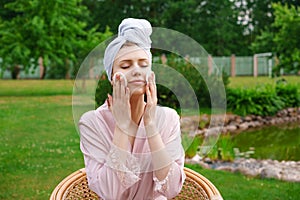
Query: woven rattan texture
[80, 190]
[191, 190]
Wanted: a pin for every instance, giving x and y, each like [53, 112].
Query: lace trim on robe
[128, 174]
[162, 186]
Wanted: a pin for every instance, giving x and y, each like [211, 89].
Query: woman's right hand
[119, 104]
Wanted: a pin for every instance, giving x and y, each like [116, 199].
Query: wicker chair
[75, 186]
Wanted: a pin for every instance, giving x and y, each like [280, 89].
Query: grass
[35, 87]
[236, 186]
[251, 82]
[40, 146]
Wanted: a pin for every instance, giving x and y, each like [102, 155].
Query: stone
[200, 132]
[290, 110]
[231, 128]
[248, 119]
[238, 120]
[204, 165]
[281, 170]
[212, 131]
[226, 168]
[270, 171]
[243, 126]
[259, 118]
[233, 123]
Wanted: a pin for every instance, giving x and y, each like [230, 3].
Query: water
[281, 142]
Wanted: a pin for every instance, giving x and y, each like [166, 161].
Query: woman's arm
[107, 174]
[168, 173]
[168, 159]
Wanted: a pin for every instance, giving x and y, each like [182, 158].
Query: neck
[137, 108]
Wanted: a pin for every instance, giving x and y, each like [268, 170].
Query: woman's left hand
[150, 109]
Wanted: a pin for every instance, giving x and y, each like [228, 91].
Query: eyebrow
[130, 60]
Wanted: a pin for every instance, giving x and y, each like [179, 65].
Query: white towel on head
[137, 31]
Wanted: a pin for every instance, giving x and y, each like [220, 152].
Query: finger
[127, 94]
[114, 89]
[152, 87]
[117, 87]
[148, 94]
[109, 101]
[154, 81]
[122, 88]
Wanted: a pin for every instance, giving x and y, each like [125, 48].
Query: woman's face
[134, 63]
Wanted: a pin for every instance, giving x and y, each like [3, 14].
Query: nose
[136, 70]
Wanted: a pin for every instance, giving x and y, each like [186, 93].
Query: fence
[245, 65]
[257, 65]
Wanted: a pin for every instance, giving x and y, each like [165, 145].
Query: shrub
[103, 88]
[261, 100]
[288, 93]
[264, 100]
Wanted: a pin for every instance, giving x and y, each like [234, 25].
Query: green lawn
[249, 81]
[40, 146]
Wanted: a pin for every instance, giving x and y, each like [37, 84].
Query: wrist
[128, 129]
[151, 130]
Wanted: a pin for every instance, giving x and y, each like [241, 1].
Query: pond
[280, 142]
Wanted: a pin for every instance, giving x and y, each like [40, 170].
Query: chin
[136, 91]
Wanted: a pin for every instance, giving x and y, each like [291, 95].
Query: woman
[132, 148]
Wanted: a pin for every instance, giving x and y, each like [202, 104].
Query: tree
[282, 38]
[257, 16]
[287, 40]
[55, 30]
[211, 23]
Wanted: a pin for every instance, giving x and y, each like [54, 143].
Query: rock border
[235, 123]
[280, 170]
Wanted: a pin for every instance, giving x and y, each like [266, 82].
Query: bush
[103, 88]
[264, 100]
[288, 93]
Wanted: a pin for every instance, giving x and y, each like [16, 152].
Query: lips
[137, 82]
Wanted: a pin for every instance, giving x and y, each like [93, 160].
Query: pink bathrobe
[133, 179]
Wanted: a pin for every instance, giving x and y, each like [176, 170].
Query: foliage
[222, 150]
[190, 145]
[287, 21]
[289, 94]
[165, 93]
[62, 32]
[197, 19]
[282, 38]
[263, 100]
[53, 30]
[103, 88]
